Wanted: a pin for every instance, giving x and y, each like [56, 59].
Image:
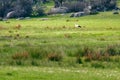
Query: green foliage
[38, 11]
[37, 53]
[111, 50]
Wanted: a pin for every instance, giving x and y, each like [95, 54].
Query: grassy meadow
[51, 46]
[47, 73]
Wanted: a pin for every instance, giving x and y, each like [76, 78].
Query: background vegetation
[25, 8]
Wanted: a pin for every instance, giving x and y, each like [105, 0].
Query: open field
[51, 48]
[34, 41]
[54, 35]
[96, 30]
[46, 73]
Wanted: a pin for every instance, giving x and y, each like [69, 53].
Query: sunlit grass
[94, 27]
[46, 73]
[57, 34]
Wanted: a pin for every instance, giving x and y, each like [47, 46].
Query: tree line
[23, 8]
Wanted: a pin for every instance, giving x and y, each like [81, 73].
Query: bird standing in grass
[77, 26]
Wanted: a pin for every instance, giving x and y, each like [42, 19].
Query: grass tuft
[54, 57]
[20, 56]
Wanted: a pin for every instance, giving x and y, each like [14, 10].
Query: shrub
[37, 53]
[111, 50]
[88, 57]
[86, 50]
[102, 5]
[38, 11]
[55, 57]
[21, 55]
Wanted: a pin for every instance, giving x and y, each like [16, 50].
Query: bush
[86, 50]
[23, 8]
[111, 50]
[55, 57]
[38, 11]
[37, 53]
[20, 56]
[101, 5]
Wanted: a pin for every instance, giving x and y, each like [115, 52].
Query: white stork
[77, 26]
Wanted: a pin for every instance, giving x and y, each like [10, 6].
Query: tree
[23, 7]
[5, 6]
[102, 5]
[44, 1]
[58, 3]
[37, 9]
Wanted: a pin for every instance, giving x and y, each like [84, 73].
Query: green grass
[27, 56]
[47, 73]
[57, 35]
[53, 31]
